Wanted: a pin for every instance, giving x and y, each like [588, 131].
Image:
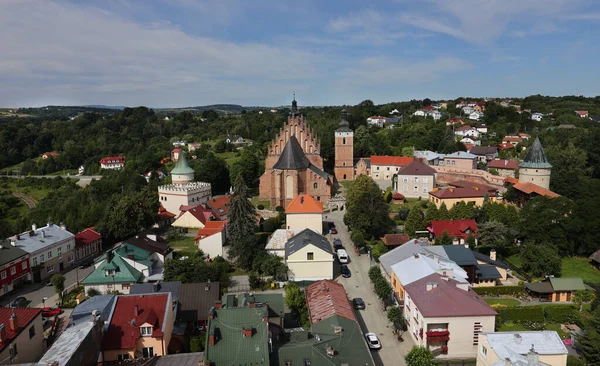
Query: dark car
[337, 244]
[86, 264]
[345, 271]
[358, 303]
[19, 300]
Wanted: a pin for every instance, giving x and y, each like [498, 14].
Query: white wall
[321, 267]
[305, 221]
[212, 245]
[407, 189]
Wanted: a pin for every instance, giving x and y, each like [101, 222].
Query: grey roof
[487, 272]
[292, 157]
[151, 288]
[344, 125]
[461, 155]
[459, 254]
[304, 238]
[536, 158]
[516, 345]
[196, 299]
[41, 238]
[416, 167]
[367, 161]
[181, 359]
[8, 253]
[315, 169]
[484, 258]
[102, 303]
[483, 150]
[543, 287]
[69, 342]
[427, 155]
[404, 251]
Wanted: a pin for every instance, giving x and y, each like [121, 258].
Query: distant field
[571, 267]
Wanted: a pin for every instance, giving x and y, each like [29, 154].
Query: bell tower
[344, 150]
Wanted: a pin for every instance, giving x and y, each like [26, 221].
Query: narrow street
[373, 318]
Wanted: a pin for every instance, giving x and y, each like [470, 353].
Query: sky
[176, 53]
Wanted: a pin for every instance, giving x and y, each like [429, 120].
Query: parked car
[49, 283]
[17, 301]
[337, 244]
[85, 264]
[333, 230]
[48, 312]
[358, 303]
[372, 341]
[345, 271]
[342, 256]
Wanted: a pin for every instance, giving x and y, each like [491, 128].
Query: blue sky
[168, 53]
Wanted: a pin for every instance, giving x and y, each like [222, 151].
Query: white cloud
[365, 27]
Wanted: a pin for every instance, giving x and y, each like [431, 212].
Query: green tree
[358, 238]
[419, 356]
[383, 290]
[445, 239]
[374, 274]
[433, 213]
[242, 225]
[415, 221]
[544, 220]
[387, 197]
[569, 169]
[248, 166]
[215, 171]
[294, 296]
[471, 241]
[366, 209]
[193, 269]
[443, 212]
[58, 281]
[582, 296]
[378, 249]
[541, 260]
[395, 317]
[493, 234]
[588, 345]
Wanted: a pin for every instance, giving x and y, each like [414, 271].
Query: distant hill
[100, 106]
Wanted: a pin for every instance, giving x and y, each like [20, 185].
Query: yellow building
[521, 348]
[304, 212]
[469, 193]
[21, 335]
[309, 257]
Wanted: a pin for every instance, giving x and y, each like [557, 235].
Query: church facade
[294, 165]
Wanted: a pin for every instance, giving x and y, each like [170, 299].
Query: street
[35, 292]
[372, 319]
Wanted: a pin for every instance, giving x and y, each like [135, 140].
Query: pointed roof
[536, 158]
[417, 167]
[304, 238]
[292, 157]
[344, 125]
[304, 203]
[182, 166]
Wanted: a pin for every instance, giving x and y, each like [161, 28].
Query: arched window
[344, 176]
[344, 163]
[343, 140]
[315, 185]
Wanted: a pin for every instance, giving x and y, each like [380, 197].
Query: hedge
[561, 314]
[521, 314]
[499, 290]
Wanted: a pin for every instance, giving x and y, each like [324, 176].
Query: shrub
[531, 325]
[279, 209]
[561, 314]
[574, 361]
[261, 207]
[403, 213]
[521, 314]
[499, 290]
[92, 292]
[255, 281]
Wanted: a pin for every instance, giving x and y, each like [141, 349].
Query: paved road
[373, 318]
[37, 291]
[78, 177]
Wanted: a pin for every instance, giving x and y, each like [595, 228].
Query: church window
[318, 198]
[344, 163]
[315, 186]
[343, 140]
[344, 176]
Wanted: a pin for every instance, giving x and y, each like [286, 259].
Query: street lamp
[44, 301]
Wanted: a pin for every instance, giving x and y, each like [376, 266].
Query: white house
[420, 113]
[468, 110]
[466, 130]
[376, 121]
[522, 348]
[304, 212]
[309, 257]
[395, 111]
[476, 115]
[211, 239]
[112, 162]
[435, 114]
[537, 117]
[471, 140]
[179, 144]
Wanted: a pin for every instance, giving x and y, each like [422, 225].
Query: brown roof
[466, 183]
[463, 192]
[196, 299]
[529, 188]
[220, 205]
[445, 299]
[504, 164]
[395, 239]
[145, 240]
[417, 168]
[304, 203]
[325, 299]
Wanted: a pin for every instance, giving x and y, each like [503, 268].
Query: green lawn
[504, 301]
[515, 327]
[256, 201]
[183, 243]
[580, 267]
[515, 260]
[347, 184]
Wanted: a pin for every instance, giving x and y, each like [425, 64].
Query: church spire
[294, 106]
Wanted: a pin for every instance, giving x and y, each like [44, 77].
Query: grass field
[183, 243]
[571, 267]
[507, 302]
[256, 201]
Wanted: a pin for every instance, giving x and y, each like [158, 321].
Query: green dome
[182, 167]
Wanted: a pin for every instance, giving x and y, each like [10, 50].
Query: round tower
[344, 150]
[535, 168]
[182, 173]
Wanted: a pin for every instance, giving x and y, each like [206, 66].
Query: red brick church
[294, 166]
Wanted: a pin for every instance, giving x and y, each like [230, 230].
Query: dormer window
[110, 272]
[146, 331]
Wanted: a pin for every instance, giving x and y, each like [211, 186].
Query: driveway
[372, 319]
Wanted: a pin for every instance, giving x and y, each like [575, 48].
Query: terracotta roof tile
[110, 159]
[391, 160]
[24, 317]
[506, 146]
[463, 192]
[304, 203]
[220, 205]
[87, 236]
[326, 299]
[534, 188]
[395, 239]
[504, 164]
[211, 228]
[163, 214]
[454, 228]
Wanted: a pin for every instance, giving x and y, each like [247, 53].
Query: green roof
[139, 255]
[275, 302]
[231, 346]
[124, 273]
[8, 253]
[349, 345]
[567, 284]
[182, 166]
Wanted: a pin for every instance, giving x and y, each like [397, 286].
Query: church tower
[344, 150]
[535, 168]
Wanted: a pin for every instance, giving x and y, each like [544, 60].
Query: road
[78, 177]
[372, 319]
[37, 291]
[25, 198]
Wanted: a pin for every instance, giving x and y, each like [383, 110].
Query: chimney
[505, 162]
[13, 242]
[135, 310]
[416, 255]
[507, 362]
[2, 334]
[14, 322]
[467, 245]
[266, 319]
[43, 233]
[451, 190]
[476, 188]
[33, 227]
[211, 339]
[431, 285]
[493, 254]
[108, 256]
[518, 338]
[533, 358]
[18, 236]
[218, 304]
[301, 199]
[63, 226]
[247, 332]
[207, 287]
[131, 256]
[251, 304]
[151, 237]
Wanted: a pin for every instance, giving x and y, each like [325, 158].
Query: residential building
[50, 154]
[362, 166]
[175, 154]
[309, 257]
[15, 270]
[274, 302]
[504, 167]
[51, 249]
[582, 114]
[392, 241]
[476, 115]
[512, 139]
[415, 180]
[466, 130]
[195, 302]
[140, 326]
[384, 167]
[460, 160]
[458, 230]
[544, 348]
[237, 336]
[470, 141]
[294, 164]
[435, 114]
[474, 194]
[276, 243]
[455, 121]
[183, 191]
[234, 139]
[537, 117]
[157, 246]
[556, 289]
[21, 335]
[524, 136]
[113, 273]
[506, 146]
[491, 260]
[535, 168]
[165, 218]
[420, 113]
[304, 212]
[193, 146]
[482, 128]
[377, 121]
[344, 150]
[484, 153]
[429, 157]
[446, 316]
[219, 206]
[88, 244]
[211, 239]
[193, 217]
[398, 254]
[467, 110]
[112, 162]
[179, 143]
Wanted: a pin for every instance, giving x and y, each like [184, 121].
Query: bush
[522, 314]
[561, 314]
[279, 209]
[574, 361]
[260, 207]
[403, 213]
[92, 292]
[499, 290]
[197, 343]
[255, 281]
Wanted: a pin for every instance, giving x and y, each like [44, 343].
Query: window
[310, 256]
[24, 265]
[343, 141]
[70, 258]
[13, 270]
[425, 179]
[424, 189]
[12, 352]
[110, 272]
[394, 281]
[453, 162]
[42, 258]
[49, 254]
[377, 168]
[3, 275]
[483, 350]
[315, 185]
[146, 331]
[32, 332]
[388, 168]
[124, 356]
[405, 180]
[416, 179]
[148, 352]
[34, 261]
[68, 246]
[59, 250]
[50, 268]
[319, 197]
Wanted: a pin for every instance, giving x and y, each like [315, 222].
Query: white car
[342, 256]
[372, 341]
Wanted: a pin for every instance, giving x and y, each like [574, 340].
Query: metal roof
[567, 284]
[304, 238]
[8, 253]
[536, 158]
[487, 272]
[42, 238]
[182, 166]
[292, 157]
[511, 345]
[102, 303]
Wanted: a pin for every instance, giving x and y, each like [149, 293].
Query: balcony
[438, 335]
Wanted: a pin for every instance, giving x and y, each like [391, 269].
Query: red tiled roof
[455, 120]
[397, 196]
[524, 135]
[220, 205]
[445, 299]
[110, 159]
[391, 160]
[463, 192]
[506, 146]
[529, 188]
[304, 203]
[454, 228]
[428, 108]
[464, 128]
[512, 139]
[54, 154]
[211, 228]
[504, 164]
[511, 180]
[87, 236]
[395, 239]
[200, 212]
[581, 113]
[417, 167]
[176, 150]
[163, 214]
[124, 328]
[325, 299]
[24, 317]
